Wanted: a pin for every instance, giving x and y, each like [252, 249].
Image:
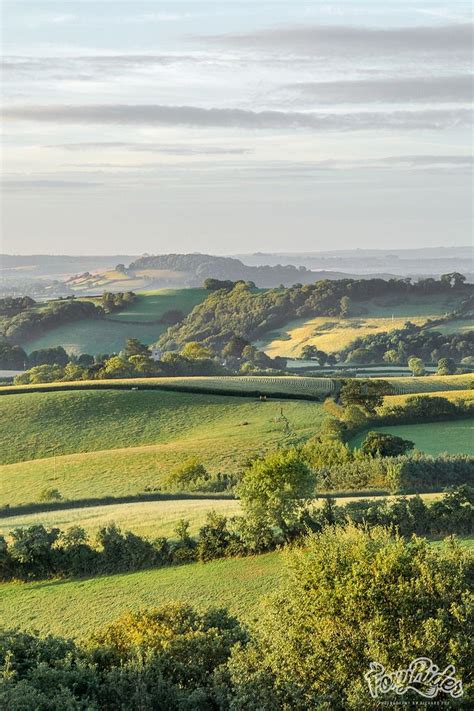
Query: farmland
[149, 519]
[333, 334]
[452, 395]
[78, 607]
[139, 320]
[118, 442]
[431, 383]
[455, 437]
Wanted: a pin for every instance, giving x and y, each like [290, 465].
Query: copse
[349, 600]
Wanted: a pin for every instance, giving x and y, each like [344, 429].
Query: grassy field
[148, 519]
[76, 608]
[431, 383]
[119, 442]
[139, 320]
[238, 385]
[332, 334]
[452, 395]
[455, 437]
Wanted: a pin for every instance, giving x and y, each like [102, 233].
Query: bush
[50, 495]
[349, 602]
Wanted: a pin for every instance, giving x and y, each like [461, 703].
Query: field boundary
[267, 388]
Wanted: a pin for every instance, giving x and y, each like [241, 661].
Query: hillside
[108, 335]
[100, 443]
[253, 315]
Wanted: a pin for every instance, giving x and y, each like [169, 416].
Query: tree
[117, 367]
[360, 355]
[416, 366]
[275, 489]
[196, 351]
[446, 366]
[40, 374]
[308, 352]
[380, 444]
[234, 347]
[368, 394]
[345, 306]
[453, 279]
[354, 598]
[134, 347]
[391, 356]
[32, 549]
[189, 475]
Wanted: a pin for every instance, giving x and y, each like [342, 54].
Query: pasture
[76, 608]
[452, 395]
[454, 437]
[149, 519]
[332, 334]
[113, 442]
[108, 335]
[425, 384]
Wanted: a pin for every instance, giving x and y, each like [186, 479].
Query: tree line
[349, 595]
[243, 312]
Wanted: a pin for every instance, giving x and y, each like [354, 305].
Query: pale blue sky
[235, 126]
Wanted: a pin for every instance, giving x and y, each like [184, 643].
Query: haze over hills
[88, 274]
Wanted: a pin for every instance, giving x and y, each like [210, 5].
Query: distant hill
[195, 268]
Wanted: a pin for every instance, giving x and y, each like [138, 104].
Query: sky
[231, 127]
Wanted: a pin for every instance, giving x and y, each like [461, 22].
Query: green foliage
[349, 602]
[416, 366]
[275, 489]
[50, 494]
[12, 357]
[380, 444]
[191, 475]
[446, 366]
[367, 394]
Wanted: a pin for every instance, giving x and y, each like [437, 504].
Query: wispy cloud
[362, 41]
[177, 150]
[413, 90]
[156, 115]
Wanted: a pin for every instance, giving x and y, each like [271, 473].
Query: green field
[78, 607]
[452, 395]
[119, 442]
[456, 437]
[149, 519]
[109, 335]
[431, 383]
[332, 334]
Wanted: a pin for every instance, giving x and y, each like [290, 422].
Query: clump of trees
[240, 310]
[346, 602]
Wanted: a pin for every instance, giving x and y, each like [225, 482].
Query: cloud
[439, 89]
[178, 150]
[29, 184]
[325, 40]
[156, 115]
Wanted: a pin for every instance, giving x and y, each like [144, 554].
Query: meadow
[139, 320]
[455, 437]
[113, 442]
[75, 608]
[452, 395]
[332, 334]
[150, 519]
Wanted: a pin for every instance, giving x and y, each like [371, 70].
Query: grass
[431, 383]
[452, 395]
[329, 334]
[119, 442]
[76, 608]
[332, 334]
[239, 385]
[456, 437]
[108, 335]
[148, 519]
